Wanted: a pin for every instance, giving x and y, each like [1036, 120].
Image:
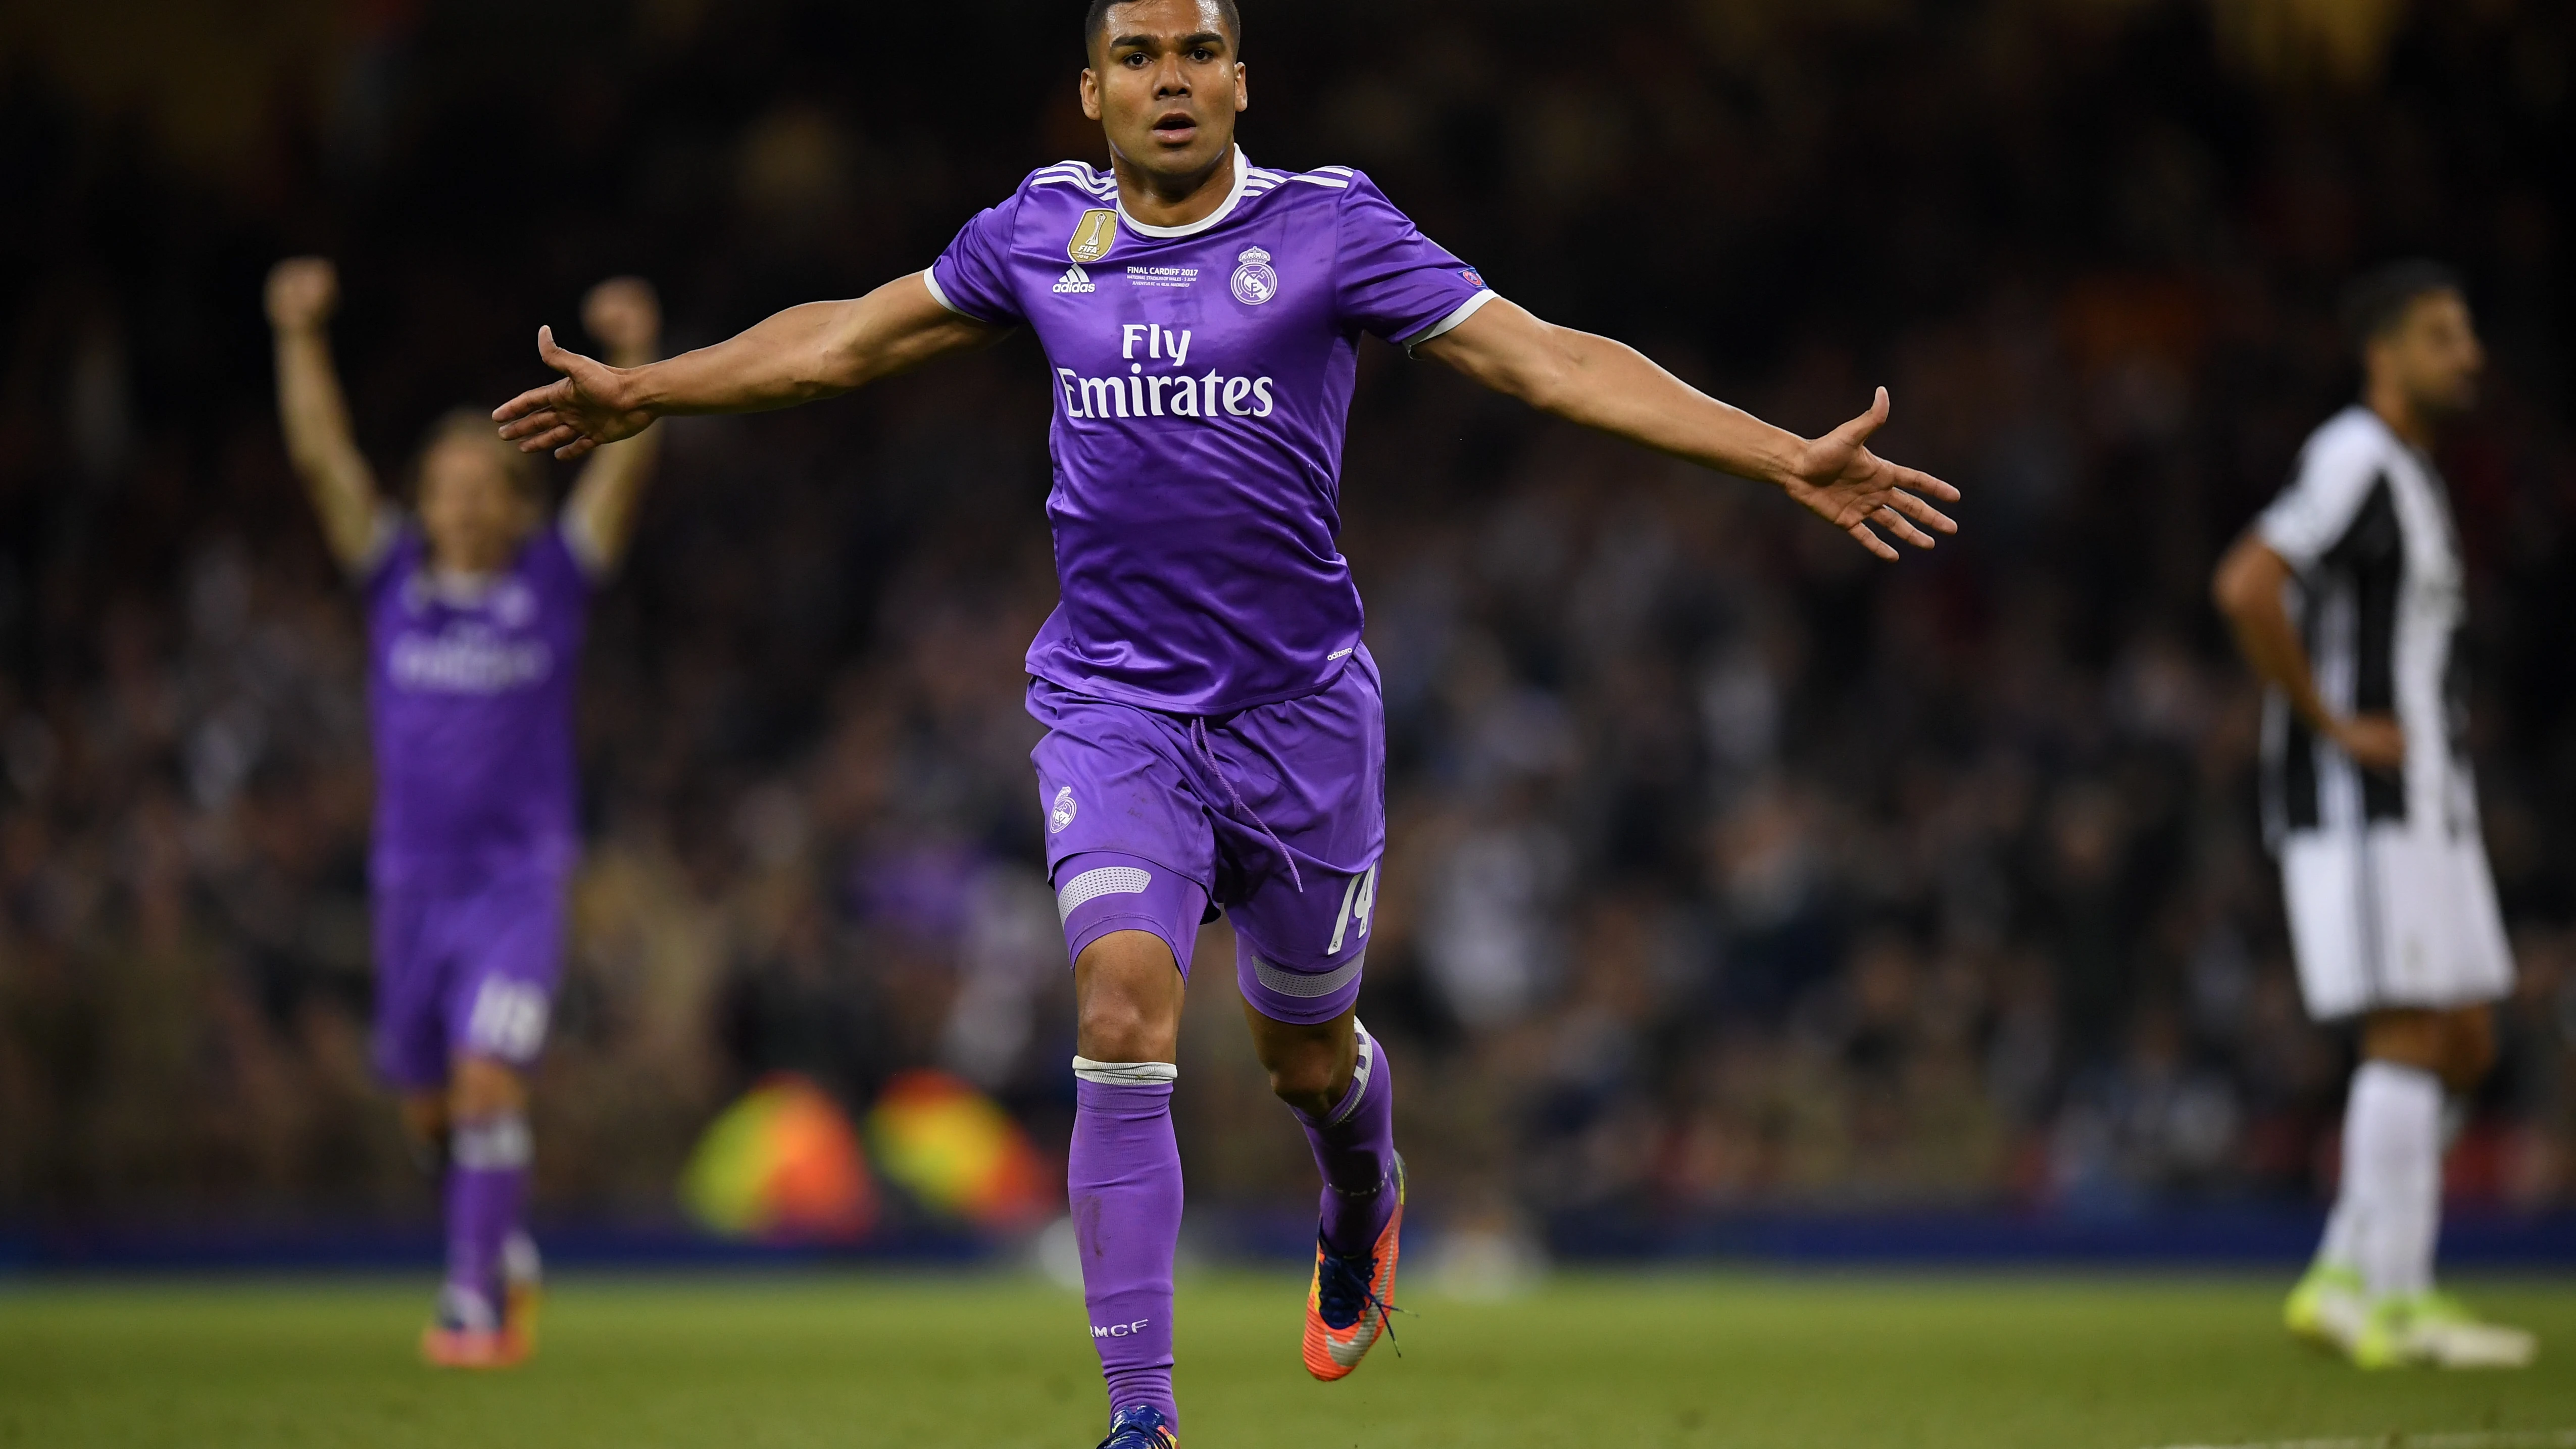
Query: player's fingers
[524, 424]
[1896, 523]
[526, 403]
[553, 437]
[1872, 542]
[1924, 483]
[1922, 512]
[576, 448]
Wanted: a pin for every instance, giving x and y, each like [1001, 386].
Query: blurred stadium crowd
[1728, 868]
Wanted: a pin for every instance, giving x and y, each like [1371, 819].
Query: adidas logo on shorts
[1075, 279]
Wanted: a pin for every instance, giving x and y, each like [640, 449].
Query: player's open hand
[302, 292]
[591, 404]
[1841, 481]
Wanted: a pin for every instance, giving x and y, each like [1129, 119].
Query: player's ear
[1090, 94]
[1242, 89]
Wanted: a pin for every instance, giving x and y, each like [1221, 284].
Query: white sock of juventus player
[2341, 1246]
[2392, 1164]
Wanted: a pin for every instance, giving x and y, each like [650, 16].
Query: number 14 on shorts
[1358, 899]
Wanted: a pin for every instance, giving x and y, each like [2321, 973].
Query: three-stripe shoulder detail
[1078, 175]
[1259, 180]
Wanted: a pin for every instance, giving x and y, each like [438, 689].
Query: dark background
[1730, 870]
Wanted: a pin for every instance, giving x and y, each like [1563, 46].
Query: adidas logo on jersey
[1075, 279]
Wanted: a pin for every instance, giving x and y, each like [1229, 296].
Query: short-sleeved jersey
[2366, 526]
[1202, 385]
[470, 696]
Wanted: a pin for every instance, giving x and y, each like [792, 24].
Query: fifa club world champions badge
[1254, 282]
[1093, 236]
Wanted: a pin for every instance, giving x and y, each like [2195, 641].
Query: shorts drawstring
[1207, 752]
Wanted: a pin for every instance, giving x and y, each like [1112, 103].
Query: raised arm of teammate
[1612, 387]
[818, 350]
[2247, 589]
[624, 315]
[302, 291]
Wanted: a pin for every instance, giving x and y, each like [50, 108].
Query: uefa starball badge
[1254, 282]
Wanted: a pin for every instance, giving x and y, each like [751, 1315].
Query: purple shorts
[464, 972]
[1275, 815]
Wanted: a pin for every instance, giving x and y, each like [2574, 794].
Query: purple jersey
[1202, 390]
[471, 699]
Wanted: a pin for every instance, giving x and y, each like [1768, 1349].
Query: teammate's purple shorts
[1275, 815]
[465, 971]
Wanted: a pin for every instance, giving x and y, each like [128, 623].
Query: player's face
[471, 510]
[1165, 85]
[2435, 356]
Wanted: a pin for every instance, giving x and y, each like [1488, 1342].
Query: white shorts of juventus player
[2390, 918]
[2390, 900]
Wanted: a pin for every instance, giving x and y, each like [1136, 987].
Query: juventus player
[1215, 735]
[2346, 597]
[476, 607]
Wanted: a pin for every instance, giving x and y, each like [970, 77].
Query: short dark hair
[1098, 20]
[2377, 302]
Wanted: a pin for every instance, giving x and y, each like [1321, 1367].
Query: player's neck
[1159, 199]
[2401, 415]
[469, 568]
[461, 587]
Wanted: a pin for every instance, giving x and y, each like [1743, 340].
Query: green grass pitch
[1680, 1358]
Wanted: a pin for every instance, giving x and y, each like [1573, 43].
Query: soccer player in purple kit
[476, 604]
[1214, 732]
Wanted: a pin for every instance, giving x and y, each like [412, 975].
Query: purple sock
[487, 1184]
[1123, 1178]
[1355, 1151]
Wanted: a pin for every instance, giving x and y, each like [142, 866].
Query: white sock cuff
[496, 1144]
[1126, 1074]
[2412, 1084]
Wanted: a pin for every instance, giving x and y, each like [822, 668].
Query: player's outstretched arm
[2247, 589]
[624, 315]
[302, 291]
[818, 350]
[1611, 386]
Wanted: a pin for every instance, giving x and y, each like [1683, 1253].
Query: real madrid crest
[1093, 236]
[1254, 282]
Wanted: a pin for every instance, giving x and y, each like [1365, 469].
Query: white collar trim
[1234, 198]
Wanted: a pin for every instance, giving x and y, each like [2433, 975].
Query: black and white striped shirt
[2365, 524]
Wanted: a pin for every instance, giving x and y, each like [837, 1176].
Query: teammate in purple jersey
[1215, 737]
[476, 605]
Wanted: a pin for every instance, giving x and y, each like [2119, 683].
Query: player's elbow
[2248, 575]
[318, 465]
[1551, 375]
[2222, 594]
